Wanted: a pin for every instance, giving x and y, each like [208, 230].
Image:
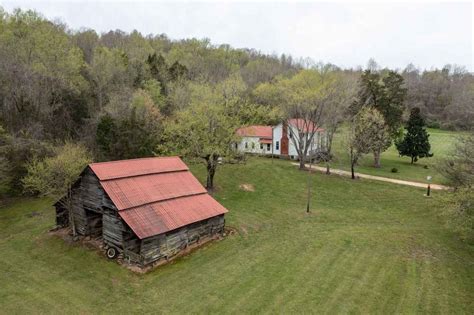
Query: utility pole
[309, 175]
[272, 144]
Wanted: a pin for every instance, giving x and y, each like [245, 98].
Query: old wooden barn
[148, 209]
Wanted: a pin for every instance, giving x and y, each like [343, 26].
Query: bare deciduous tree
[303, 99]
[337, 109]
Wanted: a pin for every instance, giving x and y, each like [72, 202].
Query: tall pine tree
[415, 144]
[386, 93]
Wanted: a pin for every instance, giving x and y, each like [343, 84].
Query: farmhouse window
[268, 146]
[246, 145]
[261, 146]
[277, 145]
[253, 145]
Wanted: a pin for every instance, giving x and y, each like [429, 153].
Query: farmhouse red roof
[255, 131]
[305, 126]
[156, 195]
[265, 132]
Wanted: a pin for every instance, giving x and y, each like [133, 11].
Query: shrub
[394, 170]
[52, 176]
[433, 124]
[460, 212]
[458, 168]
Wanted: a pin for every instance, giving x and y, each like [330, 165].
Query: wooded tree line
[445, 96]
[126, 95]
[116, 93]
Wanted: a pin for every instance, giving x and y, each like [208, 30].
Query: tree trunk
[309, 188]
[301, 163]
[211, 171]
[353, 162]
[99, 98]
[71, 213]
[329, 138]
[72, 223]
[299, 150]
[377, 158]
[412, 159]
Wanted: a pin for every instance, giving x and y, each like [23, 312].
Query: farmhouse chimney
[284, 139]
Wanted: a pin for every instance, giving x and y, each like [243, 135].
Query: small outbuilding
[147, 209]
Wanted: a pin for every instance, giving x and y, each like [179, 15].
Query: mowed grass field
[442, 143]
[366, 247]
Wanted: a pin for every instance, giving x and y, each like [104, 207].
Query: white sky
[347, 34]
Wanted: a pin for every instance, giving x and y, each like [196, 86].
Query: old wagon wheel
[111, 252]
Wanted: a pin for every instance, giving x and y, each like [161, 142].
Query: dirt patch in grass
[247, 187]
[34, 214]
[229, 230]
[93, 243]
[418, 253]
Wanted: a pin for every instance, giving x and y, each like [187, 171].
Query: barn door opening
[94, 223]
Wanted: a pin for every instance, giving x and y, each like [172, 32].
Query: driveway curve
[379, 178]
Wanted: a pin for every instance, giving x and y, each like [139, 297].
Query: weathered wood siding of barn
[169, 244]
[113, 228]
[79, 213]
[88, 203]
[93, 195]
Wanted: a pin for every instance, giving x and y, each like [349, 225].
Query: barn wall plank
[165, 246]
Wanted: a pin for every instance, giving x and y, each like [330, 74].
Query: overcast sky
[346, 34]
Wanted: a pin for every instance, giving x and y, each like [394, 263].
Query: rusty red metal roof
[266, 141]
[134, 191]
[255, 131]
[305, 126]
[163, 216]
[136, 167]
[156, 195]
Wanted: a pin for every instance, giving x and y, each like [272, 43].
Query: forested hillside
[123, 95]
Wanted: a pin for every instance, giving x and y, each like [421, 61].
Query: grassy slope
[441, 144]
[366, 247]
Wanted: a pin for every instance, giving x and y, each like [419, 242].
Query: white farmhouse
[277, 140]
[255, 139]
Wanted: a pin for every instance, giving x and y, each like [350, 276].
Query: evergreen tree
[159, 71]
[384, 92]
[178, 71]
[392, 102]
[106, 137]
[415, 144]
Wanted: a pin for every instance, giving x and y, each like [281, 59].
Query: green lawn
[442, 142]
[366, 247]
